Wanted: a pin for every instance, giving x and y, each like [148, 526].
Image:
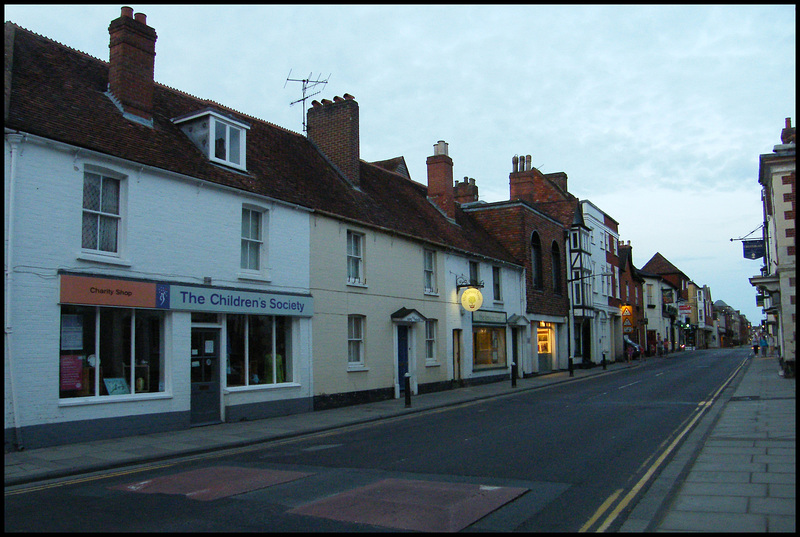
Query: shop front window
[110, 351]
[258, 350]
[489, 347]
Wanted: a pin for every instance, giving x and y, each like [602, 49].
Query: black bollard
[408, 389]
[571, 371]
[513, 374]
[604, 361]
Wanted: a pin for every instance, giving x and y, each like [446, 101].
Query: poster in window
[71, 332]
[116, 386]
[71, 372]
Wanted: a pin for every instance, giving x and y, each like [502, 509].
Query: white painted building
[92, 343]
[604, 266]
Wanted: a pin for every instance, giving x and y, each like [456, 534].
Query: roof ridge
[59, 43]
[105, 62]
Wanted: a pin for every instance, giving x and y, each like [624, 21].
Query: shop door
[402, 356]
[205, 377]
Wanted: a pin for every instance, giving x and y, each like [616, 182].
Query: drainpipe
[14, 140]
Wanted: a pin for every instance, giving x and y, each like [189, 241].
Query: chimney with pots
[466, 192]
[788, 133]
[440, 179]
[132, 62]
[529, 184]
[333, 127]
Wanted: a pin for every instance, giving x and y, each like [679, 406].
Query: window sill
[431, 292]
[265, 276]
[357, 284]
[356, 369]
[260, 387]
[107, 259]
[102, 399]
[432, 364]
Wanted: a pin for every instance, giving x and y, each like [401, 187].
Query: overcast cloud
[657, 114]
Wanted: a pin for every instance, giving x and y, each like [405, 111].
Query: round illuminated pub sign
[472, 299]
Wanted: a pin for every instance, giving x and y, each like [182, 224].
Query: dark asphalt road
[572, 446]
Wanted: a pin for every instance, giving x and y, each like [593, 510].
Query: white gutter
[14, 140]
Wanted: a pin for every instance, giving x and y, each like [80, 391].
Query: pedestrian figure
[630, 353]
[763, 343]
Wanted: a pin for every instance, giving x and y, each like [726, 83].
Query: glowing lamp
[472, 299]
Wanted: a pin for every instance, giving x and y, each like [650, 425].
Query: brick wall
[132, 62]
[333, 127]
[513, 227]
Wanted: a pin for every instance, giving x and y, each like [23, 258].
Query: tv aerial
[308, 84]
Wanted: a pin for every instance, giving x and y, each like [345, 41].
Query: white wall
[175, 230]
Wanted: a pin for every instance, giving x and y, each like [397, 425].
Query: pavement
[734, 471]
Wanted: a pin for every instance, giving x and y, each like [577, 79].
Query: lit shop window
[489, 347]
[259, 350]
[110, 351]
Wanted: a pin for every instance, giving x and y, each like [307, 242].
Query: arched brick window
[536, 261]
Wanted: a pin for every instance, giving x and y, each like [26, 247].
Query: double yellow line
[699, 412]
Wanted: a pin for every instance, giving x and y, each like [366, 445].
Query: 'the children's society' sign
[90, 290]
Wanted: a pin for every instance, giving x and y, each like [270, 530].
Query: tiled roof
[59, 93]
[659, 264]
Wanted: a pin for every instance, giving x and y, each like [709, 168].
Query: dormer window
[221, 138]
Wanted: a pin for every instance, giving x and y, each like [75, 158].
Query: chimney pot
[127, 12]
[527, 162]
[315, 103]
[141, 17]
[788, 123]
[327, 101]
[338, 99]
[348, 97]
[440, 148]
[514, 161]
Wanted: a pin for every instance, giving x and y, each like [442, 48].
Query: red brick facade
[513, 224]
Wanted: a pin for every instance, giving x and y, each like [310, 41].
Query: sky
[657, 114]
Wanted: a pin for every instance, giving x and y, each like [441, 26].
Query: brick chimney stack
[333, 127]
[132, 62]
[529, 184]
[788, 133]
[466, 192]
[440, 179]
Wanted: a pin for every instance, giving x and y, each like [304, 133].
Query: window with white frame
[430, 340]
[497, 288]
[222, 139]
[252, 238]
[258, 350]
[576, 288]
[228, 143]
[111, 351]
[355, 257]
[429, 270]
[355, 340]
[101, 213]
